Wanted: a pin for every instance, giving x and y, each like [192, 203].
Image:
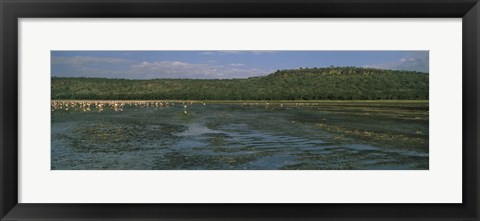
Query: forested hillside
[336, 83]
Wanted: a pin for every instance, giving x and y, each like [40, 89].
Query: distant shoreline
[301, 84]
[119, 105]
[245, 101]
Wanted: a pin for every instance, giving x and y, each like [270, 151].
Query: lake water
[323, 136]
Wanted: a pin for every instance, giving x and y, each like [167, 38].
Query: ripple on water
[224, 137]
[196, 130]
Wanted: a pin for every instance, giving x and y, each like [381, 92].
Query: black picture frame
[12, 10]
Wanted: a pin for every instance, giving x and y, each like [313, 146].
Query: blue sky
[221, 64]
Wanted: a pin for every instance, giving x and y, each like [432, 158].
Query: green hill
[336, 83]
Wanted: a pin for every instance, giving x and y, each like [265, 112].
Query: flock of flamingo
[101, 105]
[119, 105]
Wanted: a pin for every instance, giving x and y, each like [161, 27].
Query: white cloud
[82, 60]
[263, 52]
[206, 53]
[256, 52]
[220, 52]
[89, 66]
[123, 68]
[177, 69]
[417, 62]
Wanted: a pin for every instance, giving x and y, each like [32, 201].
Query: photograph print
[239, 110]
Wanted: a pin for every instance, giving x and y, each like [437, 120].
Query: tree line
[334, 83]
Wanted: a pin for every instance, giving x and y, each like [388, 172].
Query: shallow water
[236, 137]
